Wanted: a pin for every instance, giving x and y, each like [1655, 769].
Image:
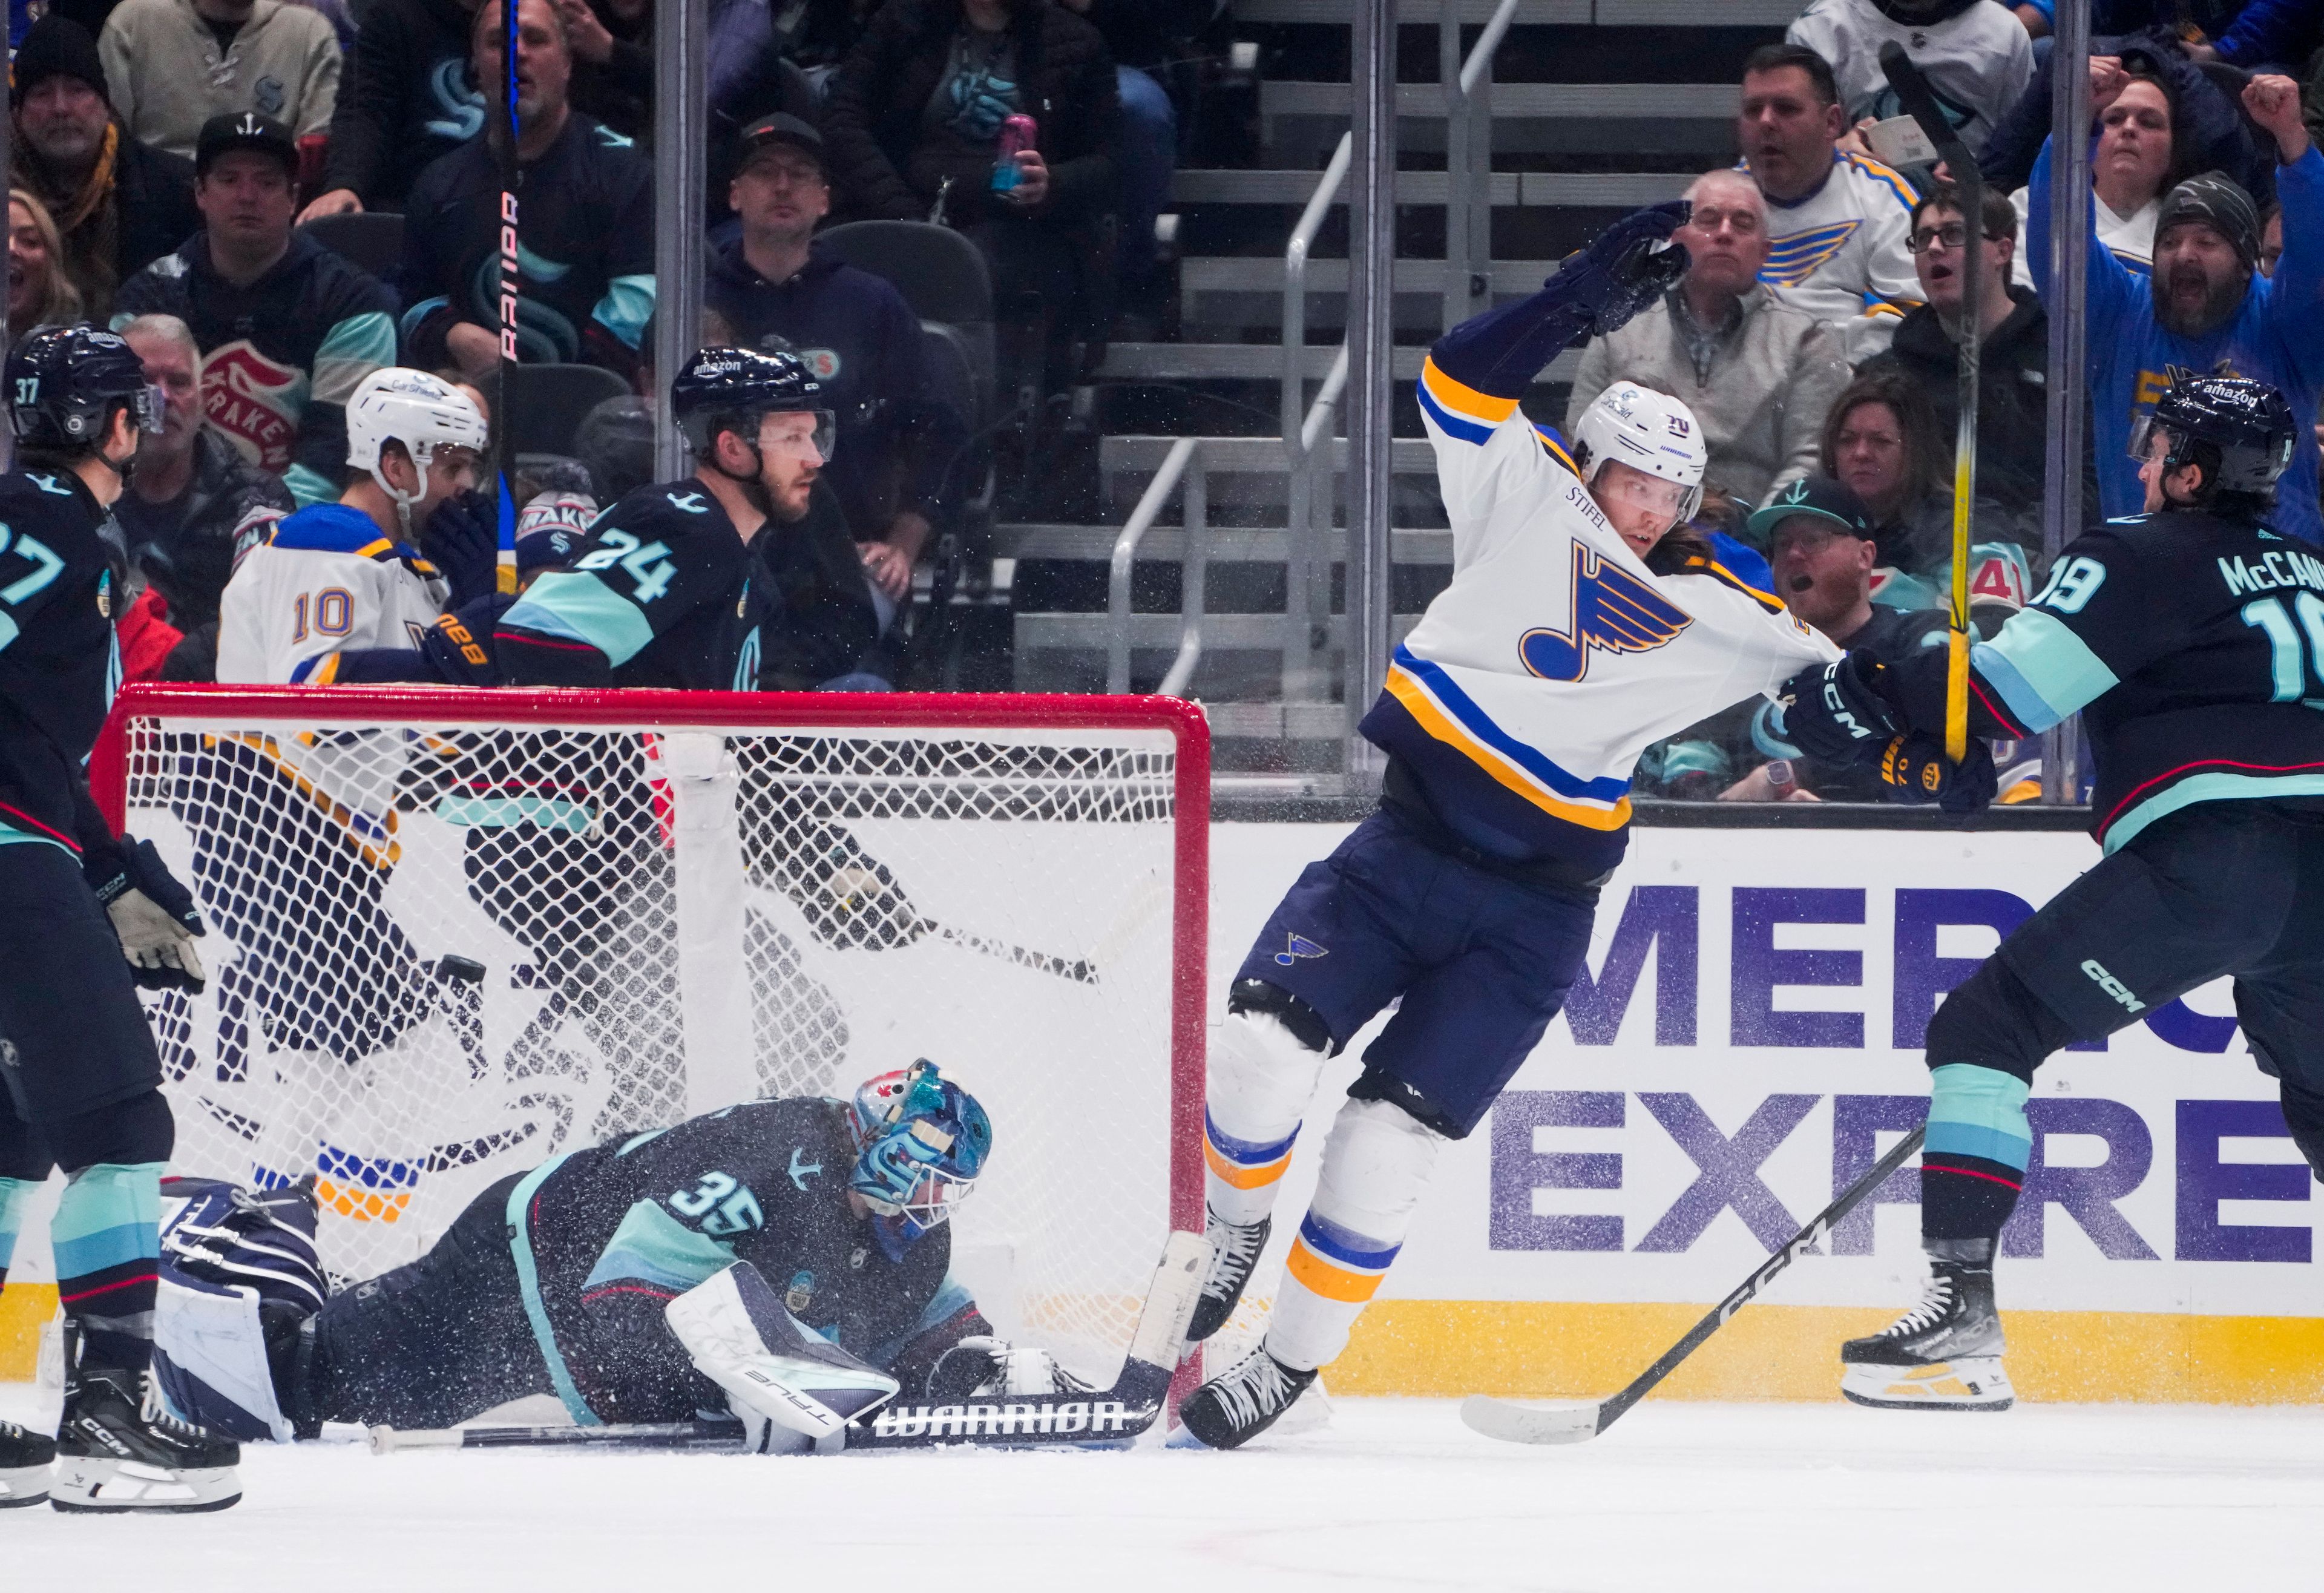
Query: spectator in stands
[1758, 371]
[2206, 307]
[2266, 36]
[914, 122]
[2270, 240]
[855, 332]
[613, 62]
[175, 64]
[2170, 122]
[1881, 442]
[287, 328]
[587, 221]
[2012, 355]
[119, 204]
[406, 100]
[194, 503]
[39, 294]
[1977, 58]
[1836, 220]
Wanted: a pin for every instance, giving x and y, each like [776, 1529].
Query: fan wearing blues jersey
[1585, 620]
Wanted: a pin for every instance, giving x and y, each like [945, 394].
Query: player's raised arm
[1474, 375]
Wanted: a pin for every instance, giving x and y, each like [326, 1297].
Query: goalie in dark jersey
[2191, 639]
[561, 1280]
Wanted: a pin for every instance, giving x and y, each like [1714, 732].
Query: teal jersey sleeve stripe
[308, 487]
[627, 306]
[2042, 670]
[653, 1246]
[580, 607]
[351, 351]
[15, 1196]
[1979, 1111]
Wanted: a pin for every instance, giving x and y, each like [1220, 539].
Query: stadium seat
[940, 273]
[545, 403]
[373, 239]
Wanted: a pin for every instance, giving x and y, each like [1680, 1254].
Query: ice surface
[1395, 1494]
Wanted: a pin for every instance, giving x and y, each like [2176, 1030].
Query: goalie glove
[850, 899]
[793, 1388]
[154, 915]
[981, 1366]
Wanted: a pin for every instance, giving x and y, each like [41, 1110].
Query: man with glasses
[2013, 348]
[860, 339]
[1758, 371]
[667, 591]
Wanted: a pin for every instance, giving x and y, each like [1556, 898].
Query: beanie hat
[2218, 199]
[58, 47]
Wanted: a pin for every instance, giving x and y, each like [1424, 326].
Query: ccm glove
[462, 539]
[1835, 712]
[1915, 768]
[152, 915]
[1631, 264]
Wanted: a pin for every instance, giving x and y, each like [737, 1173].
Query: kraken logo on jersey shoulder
[1793, 260]
[1613, 610]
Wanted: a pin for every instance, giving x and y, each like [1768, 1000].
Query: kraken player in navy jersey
[2191, 639]
[80, 1073]
[667, 591]
[561, 1280]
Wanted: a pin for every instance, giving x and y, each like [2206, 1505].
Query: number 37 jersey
[2194, 645]
[665, 593]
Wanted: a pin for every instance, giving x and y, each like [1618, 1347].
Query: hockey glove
[1836, 712]
[1631, 264]
[152, 915]
[1914, 768]
[850, 899]
[793, 1388]
[462, 539]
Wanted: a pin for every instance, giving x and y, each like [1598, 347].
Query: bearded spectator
[118, 204]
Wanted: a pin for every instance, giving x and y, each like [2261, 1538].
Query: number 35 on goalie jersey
[665, 593]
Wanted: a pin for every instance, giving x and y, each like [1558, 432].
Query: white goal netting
[444, 948]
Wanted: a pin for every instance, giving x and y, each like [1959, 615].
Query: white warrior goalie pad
[792, 1387]
[209, 1359]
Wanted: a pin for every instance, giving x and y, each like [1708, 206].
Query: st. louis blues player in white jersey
[1585, 620]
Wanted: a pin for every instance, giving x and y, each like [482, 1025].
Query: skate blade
[1972, 1382]
[1560, 1422]
[24, 1485]
[94, 1486]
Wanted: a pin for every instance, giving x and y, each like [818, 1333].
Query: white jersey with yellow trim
[1841, 254]
[1523, 698]
[325, 582]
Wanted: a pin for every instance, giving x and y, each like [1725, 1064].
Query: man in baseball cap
[1819, 543]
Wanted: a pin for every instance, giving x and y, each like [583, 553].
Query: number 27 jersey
[665, 593]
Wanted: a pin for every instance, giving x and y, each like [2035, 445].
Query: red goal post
[453, 928]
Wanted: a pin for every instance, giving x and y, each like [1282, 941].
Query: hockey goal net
[454, 933]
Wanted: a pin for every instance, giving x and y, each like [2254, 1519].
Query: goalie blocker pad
[793, 1388]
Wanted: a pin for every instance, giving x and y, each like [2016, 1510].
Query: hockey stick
[1080, 972]
[503, 432]
[1103, 1415]
[1573, 1421]
[1968, 185]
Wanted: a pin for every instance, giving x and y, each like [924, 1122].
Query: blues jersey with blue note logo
[665, 593]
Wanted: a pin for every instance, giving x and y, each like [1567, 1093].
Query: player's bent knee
[1376, 1162]
[1261, 1072]
[1992, 1019]
[1304, 1023]
[125, 1134]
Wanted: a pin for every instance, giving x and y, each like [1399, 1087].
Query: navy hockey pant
[1482, 960]
[2219, 889]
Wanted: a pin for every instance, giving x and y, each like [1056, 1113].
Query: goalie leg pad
[210, 1360]
[1261, 1077]
[1375, 1163]
[787, 1382]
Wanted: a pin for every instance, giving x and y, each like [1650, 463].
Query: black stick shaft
[1796, 1246]
[1080, 972]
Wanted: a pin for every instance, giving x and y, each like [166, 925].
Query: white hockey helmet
[422, 412]
[1645, 430]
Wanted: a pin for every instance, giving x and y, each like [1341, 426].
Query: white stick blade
[1569, 1422]
[1161, 1335]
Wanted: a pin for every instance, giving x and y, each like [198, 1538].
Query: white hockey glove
[154, 915]
[1001, 1367]
[794, 1389]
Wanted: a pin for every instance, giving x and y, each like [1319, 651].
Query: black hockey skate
[1243, 1401]
[118, 1450]
[1234, 1253]
[1943, 1354]
[25, 1457]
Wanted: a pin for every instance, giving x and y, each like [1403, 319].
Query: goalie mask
[920, 1140]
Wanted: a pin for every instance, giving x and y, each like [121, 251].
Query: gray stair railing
[1181, 464]
[1469, 160]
